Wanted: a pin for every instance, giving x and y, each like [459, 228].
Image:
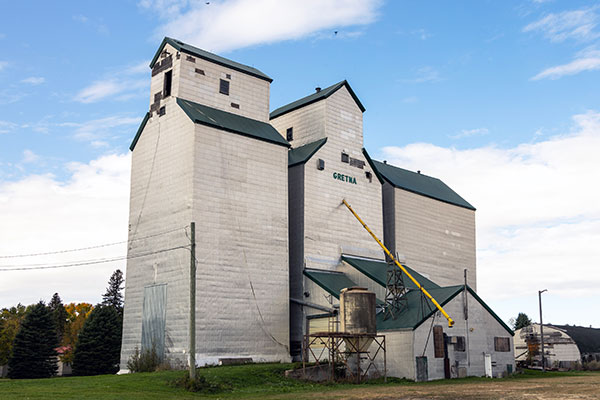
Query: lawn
[253, 381]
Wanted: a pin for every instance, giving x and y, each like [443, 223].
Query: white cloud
[588, 60]
[121, 85]
[576, 24]
[424, 75]
[40, 213]
[98, 128]
[538, 220]
[233, 24]
[34, 80]
[7, 126]
[470, 133]
[29, 156]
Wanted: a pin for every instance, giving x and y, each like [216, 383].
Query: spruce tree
[99, 346]
[59, 314]
[114, 296]
[33, 354]
[522, 321]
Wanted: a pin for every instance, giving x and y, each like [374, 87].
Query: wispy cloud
[121, 85]
[410, 99]
[423, 75]
[103, 127]
[97, 25]
[34, 80]
[3, 64]
[588, 60]
[465, 133]
[576, 24]
[6, 126]
[421, 34]
[232, 24]
[29, 156]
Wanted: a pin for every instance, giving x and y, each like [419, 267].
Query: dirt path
[555, 388]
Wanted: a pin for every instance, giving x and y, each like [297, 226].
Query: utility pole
[542, 328]
[192, 318]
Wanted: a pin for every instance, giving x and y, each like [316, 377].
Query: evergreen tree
[33, 354]
[99, 346]
[59, 314]
[114, 292]
[522, 321]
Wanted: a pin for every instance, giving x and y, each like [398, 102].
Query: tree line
[34, 338]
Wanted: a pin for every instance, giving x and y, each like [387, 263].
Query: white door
[488, 366]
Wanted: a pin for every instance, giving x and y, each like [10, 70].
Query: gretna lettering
[345, 178]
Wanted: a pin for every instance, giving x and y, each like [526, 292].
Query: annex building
[274, 244]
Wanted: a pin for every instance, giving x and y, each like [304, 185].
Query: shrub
[592, 366]
[145, 361]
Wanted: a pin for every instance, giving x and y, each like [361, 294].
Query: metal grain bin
[357, 313]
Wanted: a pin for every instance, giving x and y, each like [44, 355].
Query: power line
[91, 247]
[91, 262]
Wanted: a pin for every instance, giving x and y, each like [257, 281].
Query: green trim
[323, 94]
[442, 304]
[319, 316]
[194, 51]
[314, 276]
[222, 120]
[480, 300]
[302, 154]
[371, 164]
[139, 131]
[420, 184]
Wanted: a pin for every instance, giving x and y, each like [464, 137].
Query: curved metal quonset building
[275, 246]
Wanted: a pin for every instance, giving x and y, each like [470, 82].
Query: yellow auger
[425, 292]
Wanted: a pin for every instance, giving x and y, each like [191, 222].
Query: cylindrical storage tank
[357, 313]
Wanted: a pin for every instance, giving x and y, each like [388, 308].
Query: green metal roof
[302, 154]
[322, 94]
[419, 308]
[194, 51]
[234, 123]
[377, 271]
[419, 184]
[331, 282]
[139, 131]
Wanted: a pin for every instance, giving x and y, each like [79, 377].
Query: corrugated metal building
[275, 244]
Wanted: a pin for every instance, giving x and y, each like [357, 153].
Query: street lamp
[542, 328]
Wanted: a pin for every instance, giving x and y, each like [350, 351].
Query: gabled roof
[320, 95]
[376, 270]
[194, 51]
[419, 184]
[331, 282]
[302, 154]
[139, 131]
[234, 123]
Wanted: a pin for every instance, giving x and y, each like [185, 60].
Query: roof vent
[317, 89]
[385, 161]
[418, 171]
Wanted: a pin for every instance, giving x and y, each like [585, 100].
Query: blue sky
[498, 99]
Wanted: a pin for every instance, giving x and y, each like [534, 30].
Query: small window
[289, 134]
[157, 96]
[438, 341]
[369, 176]
[321, 164]
[162, 111]
[502, 344]
[200, 71]
[460, 344]
[224, 87]
[167, 83]
[345, 158]
[190, 58]
[228, 76]
[235, 105]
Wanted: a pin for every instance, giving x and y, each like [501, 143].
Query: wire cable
[90, 247]
[91, 262]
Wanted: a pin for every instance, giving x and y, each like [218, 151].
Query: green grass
[244, 381]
